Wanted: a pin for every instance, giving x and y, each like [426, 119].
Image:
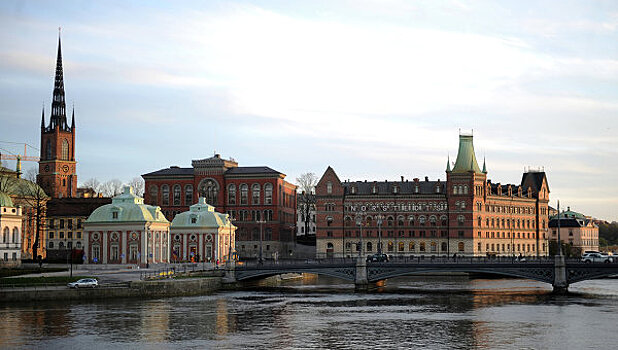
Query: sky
[375, 89]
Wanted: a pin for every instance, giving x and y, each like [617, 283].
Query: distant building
[127, 231]
[467, 214]
[202, 234]
[305, 214]
[65, 219]
[576, 229]
[258, 198]
[11, 221]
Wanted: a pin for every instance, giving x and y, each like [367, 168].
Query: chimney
[426, 178]
[401, 178]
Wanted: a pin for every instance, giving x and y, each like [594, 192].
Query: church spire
[73, 118]
[43, 117]
[484, 167]
[58, 113]
[448, 164]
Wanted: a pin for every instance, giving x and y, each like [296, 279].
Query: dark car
[377, 258]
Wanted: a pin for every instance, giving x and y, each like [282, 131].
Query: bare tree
[35, 200]
[111, 188]
[138, 186]
[31, 174]
[94, 184]
[306, 199]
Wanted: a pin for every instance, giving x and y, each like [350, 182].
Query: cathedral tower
[57, 167]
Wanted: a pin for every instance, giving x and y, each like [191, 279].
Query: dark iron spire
[43, 117]
[73, 118]
[58, 113]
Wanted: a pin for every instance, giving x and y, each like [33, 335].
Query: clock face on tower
[65, 168]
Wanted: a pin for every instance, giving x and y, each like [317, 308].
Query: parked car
[597, 258]
[84, 283]
[377, 258]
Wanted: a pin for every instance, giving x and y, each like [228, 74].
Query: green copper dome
[127, 207]
[5, 200]
[466, 160]
[202, 215]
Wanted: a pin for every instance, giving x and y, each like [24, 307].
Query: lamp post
[260, 260]
[229, 254]
[380, 217]
[559, 241]
[359, 222]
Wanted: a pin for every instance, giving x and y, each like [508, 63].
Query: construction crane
[13, 156]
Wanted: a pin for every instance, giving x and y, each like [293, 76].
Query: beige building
[202, 234]
[11, 221]
[576, 229]
[127, 231]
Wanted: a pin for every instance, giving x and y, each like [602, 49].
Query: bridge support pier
[229, 275]
[560, 284]
[360, 277]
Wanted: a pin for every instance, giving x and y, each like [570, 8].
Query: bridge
[558, 271]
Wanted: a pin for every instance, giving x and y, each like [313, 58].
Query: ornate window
[177, 194]
[231, 194]
[65, 149]
[188, 195]
[154, 195]
[255, 194]
[209, 189]
[244, 194]
[411, 246]
[268, 194]
[460, 220]
[165, 195]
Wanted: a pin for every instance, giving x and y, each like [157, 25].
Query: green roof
[201, 215]
[5, 200]
[569, 214]
[15, 186]
[128, 208]
[466, 160]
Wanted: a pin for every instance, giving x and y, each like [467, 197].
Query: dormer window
[114, 215]
[374, 189]
[353, 189]
[193, 219]
[395, 189]
[416, 189]
[437, 189]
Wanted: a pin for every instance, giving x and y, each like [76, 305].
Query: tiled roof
[251, 170]
[171, 171]
[383, 187]
[74, 206]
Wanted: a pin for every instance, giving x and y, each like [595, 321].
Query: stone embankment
[133, 289]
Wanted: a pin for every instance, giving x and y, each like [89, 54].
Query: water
[325, 313]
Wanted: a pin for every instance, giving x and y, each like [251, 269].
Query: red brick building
[57, 167]
[258, 198]
[467, 214]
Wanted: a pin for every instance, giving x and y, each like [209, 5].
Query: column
[124, 247]
[200, 247]
[104, 255]
[185, 244]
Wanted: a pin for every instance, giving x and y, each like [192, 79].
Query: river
[326, 313]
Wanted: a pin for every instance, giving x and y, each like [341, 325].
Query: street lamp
[359, 222]
[559, 241]
[260, 260]
[229, 254]
[380, 217]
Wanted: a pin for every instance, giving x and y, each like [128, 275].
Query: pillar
[360, 278]
[560, 284]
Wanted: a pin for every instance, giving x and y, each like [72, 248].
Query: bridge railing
[418, 259]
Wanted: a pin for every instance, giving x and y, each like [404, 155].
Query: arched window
[209, 189]
[444, 220]
[177, 194]
[154, 195]
[255, 194]
[268, 234]
[411, 246]
[390, 221]
[411, 220]
[268, 194]
[460, 246]
[460, 220]
[15, 235]
[255, 233]
[165, 195]
[369, 247]
[401, 246]
[421, 246]
[434, 246]
[5, 235]
[369, 221]
[432, 220]
[231, 194]
[188, 195]
[422, 220]
[390, 246]
[444, 247]
[400, 220]
[244, 194]
[329, 187]
[48, 150]
[454, 189]
[465, 189]
[65, 149]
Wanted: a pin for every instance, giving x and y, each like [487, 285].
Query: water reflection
[318, 312]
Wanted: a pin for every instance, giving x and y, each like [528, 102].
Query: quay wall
[134, 289]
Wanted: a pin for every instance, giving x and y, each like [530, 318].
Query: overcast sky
[375, 89]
